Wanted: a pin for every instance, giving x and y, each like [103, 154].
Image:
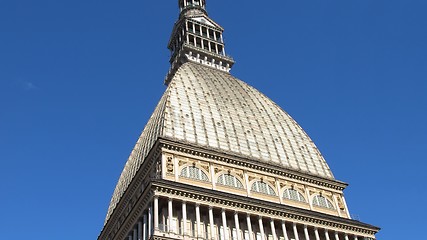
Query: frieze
[176, 146]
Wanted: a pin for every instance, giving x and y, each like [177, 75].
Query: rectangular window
[198, 42]
[211, 34]
[190, 27]
[191, 39]
[204, 32]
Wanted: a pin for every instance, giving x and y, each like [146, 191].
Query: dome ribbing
[210, 108]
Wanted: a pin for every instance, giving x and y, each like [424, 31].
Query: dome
[210, 108]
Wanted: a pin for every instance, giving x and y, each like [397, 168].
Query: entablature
[197, 195]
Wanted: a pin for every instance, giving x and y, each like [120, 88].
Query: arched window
[229, 180]
[321, 201]
[262, 187]
[194, 173]
[293, 195]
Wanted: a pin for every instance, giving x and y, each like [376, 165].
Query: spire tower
[197, 38]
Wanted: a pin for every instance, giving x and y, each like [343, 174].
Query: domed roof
[211, 108]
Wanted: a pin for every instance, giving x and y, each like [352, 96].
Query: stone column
[327, 234]
[356, 238]
[139, 230]
[307, 236]
[135, 233]
[144, 227]
[295, 231]
[285, 232]
[150, 222]
[273, 229]
[346, 237]
[156, 213]
[211, 223]
[248, 222]
[336, 236]
[198, 220]
[224, 224]
[237, 224]
[170, 215]
[184, 218]
[316, 233]
[261, 228]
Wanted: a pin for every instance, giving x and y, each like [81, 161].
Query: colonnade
[186, 220]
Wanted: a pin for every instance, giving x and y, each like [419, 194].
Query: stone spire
[197, 38]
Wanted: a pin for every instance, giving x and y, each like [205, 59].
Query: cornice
[211, 197]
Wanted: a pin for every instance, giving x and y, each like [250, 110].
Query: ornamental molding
[231, 158]
[187, 193]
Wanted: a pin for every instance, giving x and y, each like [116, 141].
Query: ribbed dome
[210, 108]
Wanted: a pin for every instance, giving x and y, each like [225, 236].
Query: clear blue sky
[79, 79]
